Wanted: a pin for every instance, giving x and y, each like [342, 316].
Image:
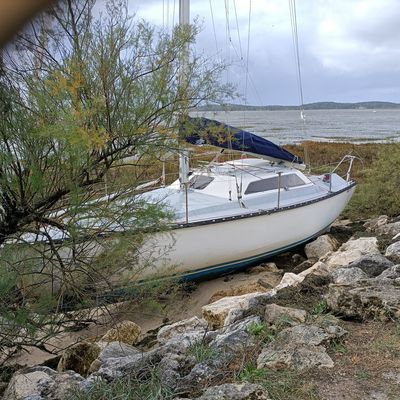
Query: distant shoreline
[324, 105]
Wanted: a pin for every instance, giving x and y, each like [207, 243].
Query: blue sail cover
[203, 130]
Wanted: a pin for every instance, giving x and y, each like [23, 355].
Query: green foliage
[201, 351]
[378, 192]
[339, 347]
[252, 374]
[262, 331]
[281, 385]
[148, 387]
[320, 308]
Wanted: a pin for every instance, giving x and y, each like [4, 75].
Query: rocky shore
[328, 328]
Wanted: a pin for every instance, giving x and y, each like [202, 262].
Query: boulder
[125, 331]
[348, 275]
[235, 391]
[79, 357]
[310, 334]
[319, 269]
[390, 273]
[393, 251]
[376, 223]
[264, 267]
[320, 246]
[112, 350]
[351, 251]
[289, 279]
[119, 367]
[294, 357]
[188, 327]
[251, 287]
[41, 382]
[372, 264]
[230, 309]
[376, 298]
[236, 337]
[275, 314]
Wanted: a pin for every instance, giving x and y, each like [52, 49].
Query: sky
[349, 49]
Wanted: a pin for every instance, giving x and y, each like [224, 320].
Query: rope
[213, 24]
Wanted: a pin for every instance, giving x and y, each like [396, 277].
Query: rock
[113, 368]
[294, 357]
[289, 279]
[320, 246]
[236, 337]
[376, 298]
[125, 331]
[112, 350]
[302, 266]
[86, 385]
[351, 251]
[373, 265]
[298, 258]
[300, 347]
[348, 275]
[275, 314]
[79, 357]
[264, 267]
[390, 273]
[252, 287]
[230, 309]
[393, 251]
[381, 226]
[169, 368]
[375, 223]
[202, 374]
[185, 327]
[310, 334]
[235, 391]
[42, 382]
[319, 268]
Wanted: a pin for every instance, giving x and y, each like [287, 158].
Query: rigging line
[163, 14]
[238, 31]
[167, 14]
[173, 14]
[295, 38]
[213, 24]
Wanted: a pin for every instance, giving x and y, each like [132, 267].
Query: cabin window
[263, 185]
[200, 182]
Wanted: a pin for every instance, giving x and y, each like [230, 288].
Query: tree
[82, 91]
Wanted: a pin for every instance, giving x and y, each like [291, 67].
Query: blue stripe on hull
[238, 265]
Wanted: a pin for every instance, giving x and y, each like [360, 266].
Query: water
[283, 127]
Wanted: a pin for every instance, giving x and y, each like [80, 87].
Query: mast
[184, 19]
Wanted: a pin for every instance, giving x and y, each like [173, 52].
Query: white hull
[222, 246]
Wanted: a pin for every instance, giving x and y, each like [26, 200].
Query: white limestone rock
[320, 246]
[227, 310]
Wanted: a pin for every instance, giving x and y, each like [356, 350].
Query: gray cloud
[350, 50]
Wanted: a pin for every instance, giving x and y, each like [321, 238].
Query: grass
[262, 331]
[201, 351]
[148, 388]
[281, 385]
[320, 308]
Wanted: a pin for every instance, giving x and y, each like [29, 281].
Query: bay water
[286, 126]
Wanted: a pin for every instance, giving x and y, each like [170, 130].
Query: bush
[379, 191]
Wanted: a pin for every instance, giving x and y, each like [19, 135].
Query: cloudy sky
[349, 49]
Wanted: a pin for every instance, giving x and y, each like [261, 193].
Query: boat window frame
[274, 179]
[202, 185]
